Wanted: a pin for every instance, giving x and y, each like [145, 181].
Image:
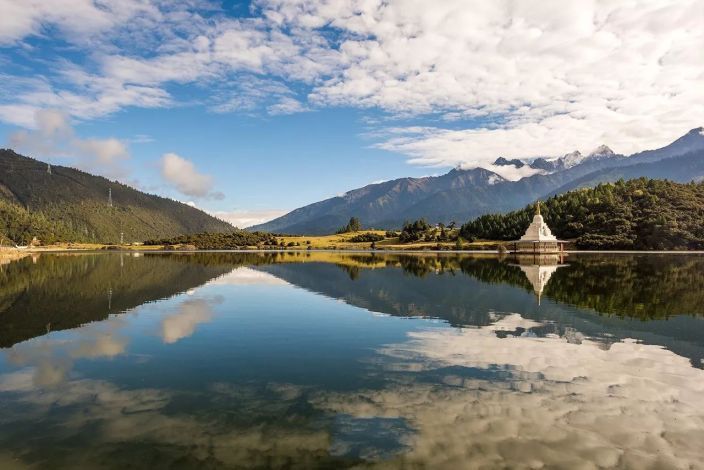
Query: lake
[336, 360]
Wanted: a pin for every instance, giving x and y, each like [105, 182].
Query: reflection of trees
[64, 291]
[638, 286]
[60, 292]
[646, 287]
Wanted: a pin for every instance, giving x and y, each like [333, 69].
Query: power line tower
[109, 197]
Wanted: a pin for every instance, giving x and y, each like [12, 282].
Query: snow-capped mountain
[506, 184]
[576, 158]
[549, 165]
[601, 151]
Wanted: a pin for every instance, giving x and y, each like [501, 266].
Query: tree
[354, 225]
[640, 214]
[414, 231]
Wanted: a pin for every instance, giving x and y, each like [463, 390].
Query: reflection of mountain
[65, 291]
[643, 287]
[60, 292]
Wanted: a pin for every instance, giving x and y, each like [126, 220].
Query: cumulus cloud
[182, 174]
[54, 137]
[529, 80]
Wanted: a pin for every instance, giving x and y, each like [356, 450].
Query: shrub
[367, 237]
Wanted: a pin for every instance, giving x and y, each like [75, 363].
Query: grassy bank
[343, 242]
[290, 243]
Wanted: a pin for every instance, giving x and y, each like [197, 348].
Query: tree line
[638, 214]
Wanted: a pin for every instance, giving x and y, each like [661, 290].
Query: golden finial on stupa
[537, 208]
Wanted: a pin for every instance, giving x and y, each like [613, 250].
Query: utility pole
[48, 167]
[109, 197]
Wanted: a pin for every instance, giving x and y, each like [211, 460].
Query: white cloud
[182, 174]
[287, 105]
[544, 78]
[560, 76]
[248, 218]
[75, 18]
[54, 137]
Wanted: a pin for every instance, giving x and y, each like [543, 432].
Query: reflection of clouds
[101, 345]
[510, 322]
[635, 405]
[52, 359]
[183, 323]
[221, 434]
[246, 276]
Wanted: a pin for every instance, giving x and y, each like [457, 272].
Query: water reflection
[283, 361]
[525, 400]
[539, 268]
[182, 323]
[50, 360]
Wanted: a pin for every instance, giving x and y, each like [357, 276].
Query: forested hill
[639, 214]
[71, 205]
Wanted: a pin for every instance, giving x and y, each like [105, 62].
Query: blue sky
[248, 110]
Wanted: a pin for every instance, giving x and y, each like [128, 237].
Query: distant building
[538, 237]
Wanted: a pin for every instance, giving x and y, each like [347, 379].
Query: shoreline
[13, 253]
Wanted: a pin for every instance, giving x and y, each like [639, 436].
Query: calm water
[330, 361]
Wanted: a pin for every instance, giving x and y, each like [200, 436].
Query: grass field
[342, 242]
[293, 243]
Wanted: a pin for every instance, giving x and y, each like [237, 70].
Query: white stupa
[538, 237]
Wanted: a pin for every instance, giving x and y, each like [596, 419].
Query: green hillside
[639, 214]
[72, 205]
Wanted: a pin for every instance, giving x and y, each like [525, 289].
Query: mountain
[72, 205]
[692, 141]
[501, 161]
[460, 194]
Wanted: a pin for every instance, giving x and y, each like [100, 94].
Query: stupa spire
[537, 208]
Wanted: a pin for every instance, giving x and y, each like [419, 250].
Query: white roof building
[538, 230]
[538, 237]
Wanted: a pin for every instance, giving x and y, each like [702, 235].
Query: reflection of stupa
[538, 270]
[538, 237]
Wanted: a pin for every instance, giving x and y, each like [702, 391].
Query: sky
[251, 109]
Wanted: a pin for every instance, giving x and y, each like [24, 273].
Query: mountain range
[463, 194]
[74, 205]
